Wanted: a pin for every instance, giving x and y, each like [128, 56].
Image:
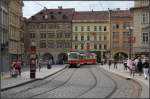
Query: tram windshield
[73, 55]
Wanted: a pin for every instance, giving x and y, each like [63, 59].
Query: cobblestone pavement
[89, 81]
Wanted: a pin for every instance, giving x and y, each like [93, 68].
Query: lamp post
[109, 11]
[130, 42]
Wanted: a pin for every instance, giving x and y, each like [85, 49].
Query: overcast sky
[32, 7]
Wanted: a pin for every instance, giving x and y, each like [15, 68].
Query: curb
[134, 80]
[32, 80]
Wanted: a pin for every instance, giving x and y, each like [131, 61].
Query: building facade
[120, 20]
[15, 16]
[50, 30]
[141, 27]
[90, 32]
[4, 34]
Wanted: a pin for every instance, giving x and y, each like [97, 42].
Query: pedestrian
[40, 65]
[145, 68]
[131, 67]
[109, 63]
[139, 66]
[18, 67]
[49, 64]
[125, 64]
[115, 64]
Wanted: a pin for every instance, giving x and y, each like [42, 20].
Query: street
[89, 81]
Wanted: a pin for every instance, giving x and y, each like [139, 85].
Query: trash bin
[32, 73]
[48, 66]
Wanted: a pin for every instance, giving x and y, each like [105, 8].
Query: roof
[91, 15]
[53, 15]
[121, 14]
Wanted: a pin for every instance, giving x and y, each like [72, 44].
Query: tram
[76, 59]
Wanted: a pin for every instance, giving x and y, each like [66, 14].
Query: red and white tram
[76, 59]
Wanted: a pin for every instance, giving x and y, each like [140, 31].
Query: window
[125, 34]
[82, 28]
[42, 44]
[50, 44]
[76, 46]
[76, 38]
[115, 35]
[125, 25]
[51, 35]
[88, 37]
[95, 46]
[100, 28]
[145, 37]
[115, 44]
[82, 46]
[100, 46]
[43, 35]
[105, 38]
[59, 35]
[117, 26]
[100, 38]
[105, 47]
[95, 28]
[145, 17]
[88, 28]
[88, 46]
[32, 35]
[125, 44]
[82, 38]
[105, 29]
[76, 28]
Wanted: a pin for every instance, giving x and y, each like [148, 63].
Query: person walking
[49, 64]
[109, 63]
[131, 67]
[125, 64]
[145, 68]
[139, 66]
[18, 67]
[115, 64]
[40, 61]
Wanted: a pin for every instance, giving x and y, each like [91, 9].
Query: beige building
[141, 27]
[50, 30]
[4, 57]
[90, 32]
[121, 20]
[15, 15]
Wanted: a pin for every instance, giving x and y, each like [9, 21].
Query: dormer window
[33, 17]
[51, 12]
[59, 12]
[52, 17]
[64, 17]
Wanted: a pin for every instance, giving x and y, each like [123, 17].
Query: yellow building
[90, 32]
[15, 15]
[121, 20]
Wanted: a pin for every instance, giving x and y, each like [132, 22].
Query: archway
[120, 56]
[46, 57]
[62, 58]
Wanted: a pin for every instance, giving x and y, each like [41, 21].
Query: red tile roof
[121, 14]
[91, 15]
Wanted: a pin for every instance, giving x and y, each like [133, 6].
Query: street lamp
[130, 42]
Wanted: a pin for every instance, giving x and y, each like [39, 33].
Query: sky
[32, 7]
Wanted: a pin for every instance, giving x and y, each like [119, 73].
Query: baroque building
[15, 16]
[120, 21]
[90, 32]
[4, 26]
[50, 30]
[141, 27]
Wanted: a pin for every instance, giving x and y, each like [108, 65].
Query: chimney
[59, 7]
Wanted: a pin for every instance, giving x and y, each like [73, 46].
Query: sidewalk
[120, 71]
[8, 82]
